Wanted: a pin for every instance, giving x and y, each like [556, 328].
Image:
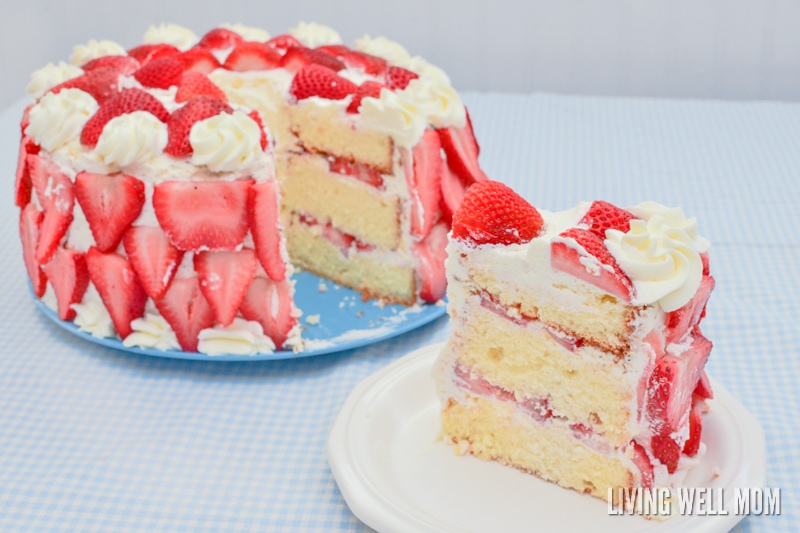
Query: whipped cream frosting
[49, 76]
[396, 114]
[249, 33]
[131, 138]
[83, 53]
[58, 118]
[439, 102]
[91, 316]
[660, 254]
[389, 50]
[152, 331]
[313, 35]
[174, 34]
[225, 142]
[242, 337]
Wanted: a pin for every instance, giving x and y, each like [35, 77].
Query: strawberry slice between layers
[30, 220]
[425, 183]
[186, 310]
[118, 286]
[110, 203]
[262, 213]
[225, 278]
[68, 275]
[359, 171]
[154, 258]
[269, 303]
[198, 216]
[56, 195]
[431, 254]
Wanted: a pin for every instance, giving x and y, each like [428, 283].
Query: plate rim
[370, 506]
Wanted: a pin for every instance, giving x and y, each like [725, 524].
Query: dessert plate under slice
[396, 475]
[345, 322]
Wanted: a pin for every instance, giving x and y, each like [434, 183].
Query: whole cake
[576, 352]
[167, 190]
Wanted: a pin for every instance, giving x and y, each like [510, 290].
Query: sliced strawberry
[398, 78]
[119, 288]
[582, 254]
[256, 116]
[361, 172]
[297, 57]
[692, 444]
[703, 387]
[30, 221]
[110, 203]
[453, 191]
[336, 50]
[208, 215]
[316, 80]
[146, 53]
[431, 254]
[251, 55]
[224, 279]
[425, 183]
[56, 195]
[198, 60]
[706, 265]
[341, 240]
[262, 214]
[186, 310]
[603, 216]
[269, 303]
[195, 83]
[127, 101]
[22, 184]
[681, 321]
[368, 88]
[367, 63]
[462, 151]
[160, 74]
[123, 65]
[220, 39]
[666, 450]
[68, 275]
[182, 119]
[154, 258]
[102, 83]
[282, 43]
[642, 462]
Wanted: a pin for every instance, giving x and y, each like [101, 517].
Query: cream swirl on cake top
[389, 50]
[440, 103]
[59, 118]
[174, 34]
[660, 254]
[47, 77]
[83, 53]
[249, 33]
[396, 114]
[225, 142]
[131, 138]
[313, 35]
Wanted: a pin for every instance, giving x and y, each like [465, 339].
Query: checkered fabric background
[92, 439]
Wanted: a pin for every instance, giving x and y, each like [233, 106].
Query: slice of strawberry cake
[166, 190]
[576, 352]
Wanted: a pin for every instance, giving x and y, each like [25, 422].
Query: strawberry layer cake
[576, 352]
[167, 191]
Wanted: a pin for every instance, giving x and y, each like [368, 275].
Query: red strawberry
[575, 258]
[256, 116]
[224, 280]
[703, 387]
[431, 254]
[368, 88]
[667, 451]
[251, 55]
[124, 65]
[425, 183]
[182, 119]
[336, 50]
[102, 83]
[69, 277]
[316, 80]
[282, 43]
[195, 83]
[56, 195]
[367, 63]
[692, 444]
[365, 173]
[462, 151]
[220, 39]
[160, 74]
[269, 303]
[127, 101]
[119, 288]
[146, 53]
[642, 462]
[110, 203]
[602, 216]
[22, 184]
[186, 310]
[30, 220]
[262, 212]
[683, 320]
[398, 78]
[208, 215]
[300, 56]
[706, 265]
[453, 191]
[154, 258]
[492, 213]
[199, 60]
[341, 240]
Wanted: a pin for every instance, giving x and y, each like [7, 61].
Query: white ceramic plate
[397, 476]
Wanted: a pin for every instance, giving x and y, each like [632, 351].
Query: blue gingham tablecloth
[93, 439]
